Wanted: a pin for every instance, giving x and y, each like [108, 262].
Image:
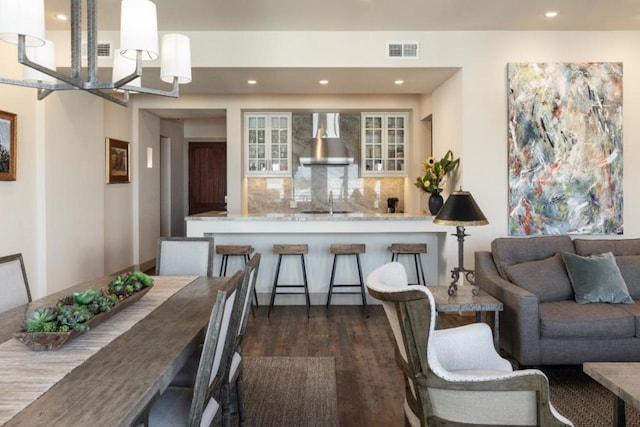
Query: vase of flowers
[432, 180]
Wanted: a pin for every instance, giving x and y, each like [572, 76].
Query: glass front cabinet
[385, 138]
[268, 144]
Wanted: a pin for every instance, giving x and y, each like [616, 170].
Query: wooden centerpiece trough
[45, 341]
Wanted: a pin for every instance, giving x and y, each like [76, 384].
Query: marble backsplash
[309, 187]
[280, 195]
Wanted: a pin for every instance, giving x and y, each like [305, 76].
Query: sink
[325, 212]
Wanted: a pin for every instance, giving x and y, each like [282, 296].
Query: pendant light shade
[139, 29]
[176, 58]
[45, 56]
[22, 17]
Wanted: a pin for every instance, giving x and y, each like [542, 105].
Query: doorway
[207, 177]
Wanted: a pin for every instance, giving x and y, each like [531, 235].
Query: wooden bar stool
[235, 250]
[282, 250]
[414, 249]
[337, 250]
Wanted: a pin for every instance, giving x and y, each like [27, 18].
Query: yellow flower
[435, 171]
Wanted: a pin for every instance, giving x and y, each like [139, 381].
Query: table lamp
[460, 210]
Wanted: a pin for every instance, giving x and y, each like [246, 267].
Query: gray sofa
[542, 324]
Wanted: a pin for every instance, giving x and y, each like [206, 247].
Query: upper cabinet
[385, 138]
[268, 144]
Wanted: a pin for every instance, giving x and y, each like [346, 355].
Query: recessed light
[324, 82]
[62, 17]
[399, 82]
[551, 14]
[252, 82]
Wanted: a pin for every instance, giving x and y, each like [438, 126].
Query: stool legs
[419, 269]
[361, 284]
[223, 272]
[305, 285]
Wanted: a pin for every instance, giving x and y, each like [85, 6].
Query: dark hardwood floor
[369, 385]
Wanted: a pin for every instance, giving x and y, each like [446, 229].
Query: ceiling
[353, 15]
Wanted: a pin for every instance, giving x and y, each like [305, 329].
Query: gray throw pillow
[596, 278]
[547, 278]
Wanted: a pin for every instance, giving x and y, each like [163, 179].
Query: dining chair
[236, 365]
[455, 376]
[13, 282]
[185, 256]
[207, 402]
[187, 375]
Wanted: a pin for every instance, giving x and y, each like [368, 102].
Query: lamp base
[469, 275]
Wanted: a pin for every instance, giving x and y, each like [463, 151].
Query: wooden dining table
[115, 385]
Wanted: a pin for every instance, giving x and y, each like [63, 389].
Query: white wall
[148, 189]
[175, 129]
[22, 208]
[118, 198]
[74, 188]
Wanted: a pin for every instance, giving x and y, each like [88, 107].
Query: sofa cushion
[596, 278]
[627, 253]
[634, 310]
[629, 266]
[598, 246]
[515, 250]
[547, 278]
[568, 319]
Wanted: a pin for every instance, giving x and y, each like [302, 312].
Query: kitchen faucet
[330, 202]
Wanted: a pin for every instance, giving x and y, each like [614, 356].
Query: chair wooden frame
[414, 316]
[18, 257]
[208, 240]
[205, 389]
[236, 378]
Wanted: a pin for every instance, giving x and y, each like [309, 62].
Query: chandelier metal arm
[91, 82]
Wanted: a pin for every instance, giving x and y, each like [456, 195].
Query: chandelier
[22, 24]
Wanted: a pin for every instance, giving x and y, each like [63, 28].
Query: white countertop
[221, 216]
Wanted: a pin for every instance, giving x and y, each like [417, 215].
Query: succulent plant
[36, 320]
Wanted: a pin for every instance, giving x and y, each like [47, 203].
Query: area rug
[583, 400]
[290, 391]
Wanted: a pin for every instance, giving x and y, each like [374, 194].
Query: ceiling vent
[402, 50]
[103, 50]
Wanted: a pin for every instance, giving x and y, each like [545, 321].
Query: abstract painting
[565, 148]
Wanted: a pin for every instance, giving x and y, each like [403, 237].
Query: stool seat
[290, 249]
[408, 248]
[340, 249]
[234, 249]
[347, 249]
[414, 249]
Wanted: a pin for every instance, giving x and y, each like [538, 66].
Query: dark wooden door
[207, 176]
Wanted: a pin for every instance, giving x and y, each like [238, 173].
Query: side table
[464, 300]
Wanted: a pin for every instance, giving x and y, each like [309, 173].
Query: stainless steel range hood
[326, 148]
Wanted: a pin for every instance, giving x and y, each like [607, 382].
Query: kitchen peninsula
[375, 230]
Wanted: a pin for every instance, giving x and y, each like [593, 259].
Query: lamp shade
[176, 58]
[139, 29]
[45, 56]
[22, 17]
[460, 209]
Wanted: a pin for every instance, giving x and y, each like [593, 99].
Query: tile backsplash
[309, 187]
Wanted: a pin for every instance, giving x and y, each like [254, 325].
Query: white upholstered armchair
[454, 376]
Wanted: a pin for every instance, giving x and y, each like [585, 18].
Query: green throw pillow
[596, 278]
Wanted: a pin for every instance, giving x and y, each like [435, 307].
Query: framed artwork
[118, 161]
[565, 148]
[8, 153]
